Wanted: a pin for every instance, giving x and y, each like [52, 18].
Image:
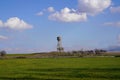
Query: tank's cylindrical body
[59, 38]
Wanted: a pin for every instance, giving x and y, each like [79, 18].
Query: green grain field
[105, 68]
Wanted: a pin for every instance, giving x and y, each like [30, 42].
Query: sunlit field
[60, 69]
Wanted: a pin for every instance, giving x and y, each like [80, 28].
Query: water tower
[59, 45]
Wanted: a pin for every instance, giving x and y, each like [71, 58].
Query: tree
[2, 53]
[99, 51]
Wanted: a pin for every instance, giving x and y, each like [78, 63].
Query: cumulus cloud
[116, 24]
[85, 8]
[50, 9]
[115, 9]
[68, 15]
[93, 7]
[1, 23]
[3, 37]
[40, 13]
[16, 24]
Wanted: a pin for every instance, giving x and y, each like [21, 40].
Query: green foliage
[3, 53]
[117, 56]
[60, 69]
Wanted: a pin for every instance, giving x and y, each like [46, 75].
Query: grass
[60, 69]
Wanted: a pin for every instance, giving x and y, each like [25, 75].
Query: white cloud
[1, 24]
[85, 8]
[50, 9]
[93, 7]
[68, 15]
[3, 37]
[40, 13]
[17, 24]
[116, 24]
[115, 9]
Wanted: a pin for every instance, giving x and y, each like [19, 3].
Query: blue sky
[33, 25]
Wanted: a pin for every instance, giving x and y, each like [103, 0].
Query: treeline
[75, 53]
[90, 52]
[80, 53]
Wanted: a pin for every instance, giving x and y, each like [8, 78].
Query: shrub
[117, 56]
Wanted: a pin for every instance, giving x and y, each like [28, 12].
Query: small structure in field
[59, 45]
